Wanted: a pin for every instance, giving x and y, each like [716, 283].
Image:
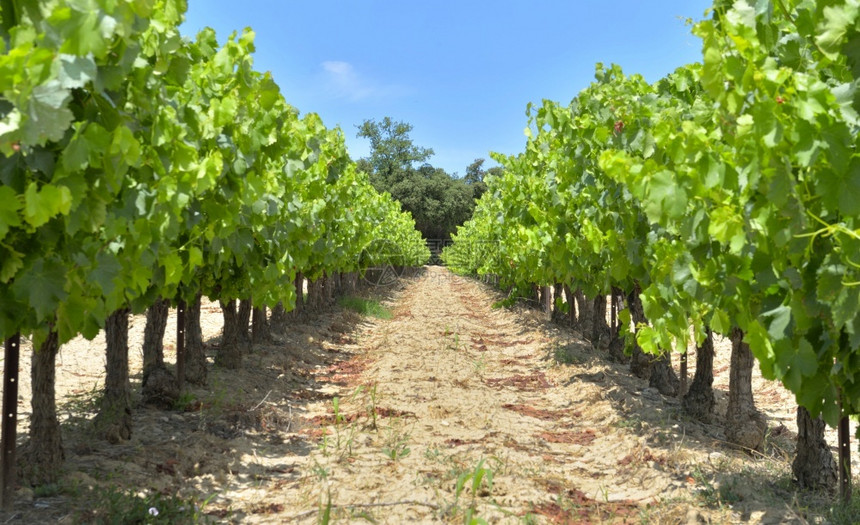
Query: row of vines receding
[724, 197]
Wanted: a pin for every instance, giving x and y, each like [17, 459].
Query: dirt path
[448, 412]
[463, 393]
[471, 388]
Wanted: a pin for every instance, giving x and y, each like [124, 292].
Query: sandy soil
[449, 411]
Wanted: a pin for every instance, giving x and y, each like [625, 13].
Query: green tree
[475, 174]
[392, 153]
[437, 201]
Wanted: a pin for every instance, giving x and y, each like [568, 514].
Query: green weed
[367, 307]
[396, 444]
[563, 356]
[478, 481]
[115, 506]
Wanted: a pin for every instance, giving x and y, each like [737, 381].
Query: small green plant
[454, 342]
[368, 307]
[479, 481]
[433, 454]
[396, 443]
[373, 397]
[529, 519]
[371, 401]
[320, 471]
[80, 408]
[478, 476]
[338, 418]
[325, 509]
[344, 435]
[842, 513]
[48, 490]
[115, 505]
[715, 495]
[323, 445]
[480, 364]
[397, 451]
[563, 356]
[633, 423]
[185, 400]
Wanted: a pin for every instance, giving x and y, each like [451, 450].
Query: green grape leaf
[780, 319]
[849, 193]
[834, 27]
[727, 227]
[9, 208]
[85, 28]
[42, 204]
[76, 71]
[72, 315]
[806, 360]
[12, 262]
[41, 286]
[172, 263]
[760, 345]
[665, 197]
[720, 322]
[48, 116]
[105, 272]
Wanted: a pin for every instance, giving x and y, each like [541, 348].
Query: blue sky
[461, 72]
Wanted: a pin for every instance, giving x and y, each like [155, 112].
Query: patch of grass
[115, 505]
[633, 423]
[478, 481]
[396, 442]
[715, 495]
[185, 402]
[47, 490]
[563, 355]
[846, 513]
[79, 409]
[368, 307]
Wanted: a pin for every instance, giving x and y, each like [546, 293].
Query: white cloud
[343, 81]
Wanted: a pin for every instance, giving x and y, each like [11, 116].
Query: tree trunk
[300, 295]
[153, 334]
[230, 352]
[42, 458]
[546, 300]
[616, 342]
[244, 314]
[195, 349]
[583, 308]
[745, 425]
[311, 296]
[699, 400]
[328, 289]
[557, 314]
[814, 465]
[260, 333]
[159, 388]
[640, 363]
[663, 376]
[599, 327]
[113, 421]
[278, 320]
[351, 282]
[571, 305]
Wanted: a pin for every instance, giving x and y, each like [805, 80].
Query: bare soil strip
[451, 410]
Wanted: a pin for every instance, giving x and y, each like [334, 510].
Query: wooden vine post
[180, 344]
[683, 389]
[844, 459]
[10, 419]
